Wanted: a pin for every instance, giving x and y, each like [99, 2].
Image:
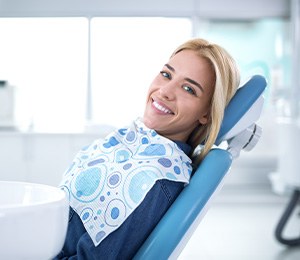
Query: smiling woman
[120, 187]
[176, 91]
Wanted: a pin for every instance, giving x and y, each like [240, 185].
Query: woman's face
[179, 97]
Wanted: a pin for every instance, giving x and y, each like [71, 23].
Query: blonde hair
[227, 79]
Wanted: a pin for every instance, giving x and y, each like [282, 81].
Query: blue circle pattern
[110, 178]
[87, 182]
[139, 183]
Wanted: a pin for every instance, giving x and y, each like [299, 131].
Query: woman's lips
[162, 108]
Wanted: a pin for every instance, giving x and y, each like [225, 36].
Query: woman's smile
[162, 108]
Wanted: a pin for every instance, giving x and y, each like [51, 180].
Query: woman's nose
[168, 90]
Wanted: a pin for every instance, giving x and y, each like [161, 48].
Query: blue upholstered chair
[240, 132]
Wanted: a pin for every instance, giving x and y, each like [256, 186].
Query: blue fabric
[128, 238]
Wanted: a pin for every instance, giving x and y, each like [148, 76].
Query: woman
[184, 108]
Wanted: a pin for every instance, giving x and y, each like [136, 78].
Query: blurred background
[73, 70]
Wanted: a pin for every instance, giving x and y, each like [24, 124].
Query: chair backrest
[173, 231]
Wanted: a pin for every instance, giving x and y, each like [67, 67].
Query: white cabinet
[12, 162]
[40, 158]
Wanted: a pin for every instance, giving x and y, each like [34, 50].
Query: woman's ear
[203, 120]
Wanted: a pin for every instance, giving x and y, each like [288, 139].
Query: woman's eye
[165, 74]
[189, 89]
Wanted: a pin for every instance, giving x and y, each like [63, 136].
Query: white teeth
[161, 108]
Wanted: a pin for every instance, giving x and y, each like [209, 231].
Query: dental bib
[110, 178]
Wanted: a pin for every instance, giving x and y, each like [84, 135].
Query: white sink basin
[33, 220]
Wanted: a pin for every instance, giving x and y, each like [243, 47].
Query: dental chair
[240, 132]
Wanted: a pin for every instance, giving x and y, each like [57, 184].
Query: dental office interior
[73, 71]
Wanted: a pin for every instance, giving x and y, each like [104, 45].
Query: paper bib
[109, 179]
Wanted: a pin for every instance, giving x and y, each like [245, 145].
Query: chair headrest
[247, 96]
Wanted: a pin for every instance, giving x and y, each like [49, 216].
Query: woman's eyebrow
[170, 67]
[187, 79]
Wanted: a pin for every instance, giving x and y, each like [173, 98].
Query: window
[259, 47]
[45, 59]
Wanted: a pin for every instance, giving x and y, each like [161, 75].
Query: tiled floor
[240, 226]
